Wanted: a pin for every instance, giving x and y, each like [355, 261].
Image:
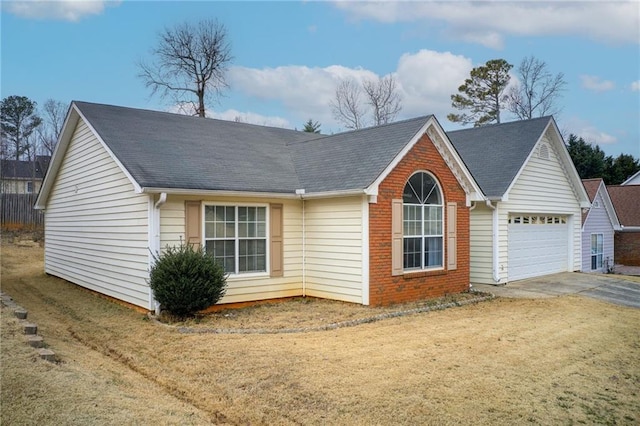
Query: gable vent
[543, 152]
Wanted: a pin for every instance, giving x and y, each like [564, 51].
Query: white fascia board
[631, 178]
[68, 127]
[608, 205]
[222, 193]
[474, 193]
[137, 188]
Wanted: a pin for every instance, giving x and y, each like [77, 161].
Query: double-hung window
[237, 237]
[422, 223]
[597, 251]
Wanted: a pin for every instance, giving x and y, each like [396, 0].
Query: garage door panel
[537, 249]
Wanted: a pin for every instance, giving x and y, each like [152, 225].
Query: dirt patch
[562, 360]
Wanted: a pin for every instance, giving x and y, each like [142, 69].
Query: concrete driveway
[617, 289]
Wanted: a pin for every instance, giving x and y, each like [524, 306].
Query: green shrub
[185, 280]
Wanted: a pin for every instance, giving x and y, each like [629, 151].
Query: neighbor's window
[237, 237]
[597, 251]
[30, 187]
[422, 223]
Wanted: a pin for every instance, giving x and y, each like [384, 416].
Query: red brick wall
[385, 289]
[627, 248]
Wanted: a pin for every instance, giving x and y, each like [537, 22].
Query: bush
[185, 280]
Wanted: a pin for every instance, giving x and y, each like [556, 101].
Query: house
[23, 177]
[374, 216]
[633, 179]
[599, 224]
[530, 222]
[626, 201]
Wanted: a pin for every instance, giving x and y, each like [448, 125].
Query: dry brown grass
[547, 361]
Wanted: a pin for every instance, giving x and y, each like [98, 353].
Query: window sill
[408, 275]
[248, 276]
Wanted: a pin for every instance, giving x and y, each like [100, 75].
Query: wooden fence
[17, 212]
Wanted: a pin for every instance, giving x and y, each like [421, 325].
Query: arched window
[422, 204]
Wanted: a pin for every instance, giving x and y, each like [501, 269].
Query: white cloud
[589, 132]
[487, 23]
[596, 84]
[69, 10]
[426, 80]
[635, 86]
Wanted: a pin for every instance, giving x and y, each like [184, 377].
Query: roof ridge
[175, 114]
[494, 125]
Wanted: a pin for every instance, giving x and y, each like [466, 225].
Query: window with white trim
[237, 237]
[422, 223]
[597, 251]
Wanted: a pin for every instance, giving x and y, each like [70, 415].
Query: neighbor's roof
[626, 201]
[18, 169]
[494, 154]
[172, 151]
[592, 185]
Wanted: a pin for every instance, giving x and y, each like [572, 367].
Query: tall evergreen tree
[588, 159]
[482, 94]
[19, 119]
[311, 126]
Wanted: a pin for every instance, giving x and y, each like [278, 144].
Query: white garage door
[538, 245]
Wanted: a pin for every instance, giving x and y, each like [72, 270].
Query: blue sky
[289, 56]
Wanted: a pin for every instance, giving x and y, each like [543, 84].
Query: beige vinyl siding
[481, 243]
[543, 187]
[242, 288]
[334, 248]
[96, 226]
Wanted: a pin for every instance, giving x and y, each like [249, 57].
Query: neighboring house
[530, 224]
[633, 179]
[598, 226]
[23, 177]
[626, 201]
[374, 216]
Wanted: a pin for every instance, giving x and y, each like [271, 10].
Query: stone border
[30, 330]
[482, 297]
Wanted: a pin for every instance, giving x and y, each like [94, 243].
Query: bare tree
[537, 91]
[347, 106]
[383, 97]
[54, 113]
[190, 62]
[381, 100]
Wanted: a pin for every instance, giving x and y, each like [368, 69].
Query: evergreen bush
[185, 280]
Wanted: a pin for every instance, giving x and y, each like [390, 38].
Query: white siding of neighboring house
[542, 187]
[597, 222]
[334, 248]
[481, 244]
[258, 286]
[96, 226]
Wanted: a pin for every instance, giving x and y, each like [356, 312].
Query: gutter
[495, 239]
[155, 242]
[300, 193]
[247, 194]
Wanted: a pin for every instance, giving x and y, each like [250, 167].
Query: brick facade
[627, 248]
[385, 289]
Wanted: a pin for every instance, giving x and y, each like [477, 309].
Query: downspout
[495, 240]
[156, 237]
[301, 193]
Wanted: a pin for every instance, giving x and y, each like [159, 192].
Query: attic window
[596, 204]
[543, 152]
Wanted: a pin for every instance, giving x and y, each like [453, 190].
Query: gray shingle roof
[351, 160]
[495, 153]
[164, 150]
[18, 169]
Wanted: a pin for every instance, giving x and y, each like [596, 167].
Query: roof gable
[497, 154]
[594, 188]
